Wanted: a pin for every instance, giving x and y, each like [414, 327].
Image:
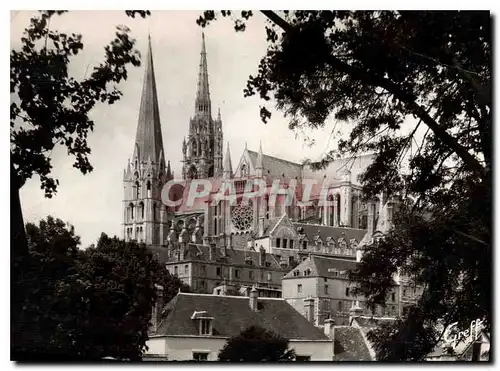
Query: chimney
[309, 307]
[262, 256]
[354, 312]
[254, 294]
[261, 226]
[330, 328]
[156, 317]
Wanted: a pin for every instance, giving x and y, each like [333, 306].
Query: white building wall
[178, 348]
[317, 350]
[182, 348]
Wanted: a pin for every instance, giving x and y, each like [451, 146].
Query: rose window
[242, 217]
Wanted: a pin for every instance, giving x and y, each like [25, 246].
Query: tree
[53, 255]
[87, 304]
[373, 71]
[256, 344]
[48, 108]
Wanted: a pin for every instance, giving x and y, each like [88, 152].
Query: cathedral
[218, 246]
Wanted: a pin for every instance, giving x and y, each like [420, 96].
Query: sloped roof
[319, 266]
[349, 345]
[276, 166]
[232, 315]
[324, 231]
[372, 322]
[356, 166]
[313, 219]
[200, 252]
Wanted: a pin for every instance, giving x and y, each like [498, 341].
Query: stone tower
[144, 214]
[202, 151]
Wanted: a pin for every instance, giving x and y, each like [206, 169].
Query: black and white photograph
[251, 186]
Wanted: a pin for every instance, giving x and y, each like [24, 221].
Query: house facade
[196, 327]
[323, 280]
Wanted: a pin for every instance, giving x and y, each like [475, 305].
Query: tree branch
[407, 98]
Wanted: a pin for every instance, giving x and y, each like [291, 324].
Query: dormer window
[205, 327]
[204, 322]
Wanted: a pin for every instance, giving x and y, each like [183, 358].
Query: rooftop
[349, 345]
[322, 266]
[232, 315]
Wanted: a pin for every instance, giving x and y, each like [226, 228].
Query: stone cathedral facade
[228, 247]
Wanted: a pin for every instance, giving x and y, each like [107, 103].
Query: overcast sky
[93, 202]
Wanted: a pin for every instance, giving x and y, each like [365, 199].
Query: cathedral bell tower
[202, 150]
[144, 214]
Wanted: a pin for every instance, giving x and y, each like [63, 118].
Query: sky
[93, 202]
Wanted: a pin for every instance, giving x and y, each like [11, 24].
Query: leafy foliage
[50, 107]
[373, 71]
[87, 304]
[256, 344]
[404, 339]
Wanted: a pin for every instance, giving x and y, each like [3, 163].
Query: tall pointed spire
[169, 172]
[259, 165]
[148, 140]
[203, 95]
[228, 168]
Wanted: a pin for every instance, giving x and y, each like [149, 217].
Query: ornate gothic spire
[228, 168]
[203, 95]
[148, 140]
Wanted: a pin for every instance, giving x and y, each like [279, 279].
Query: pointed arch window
[330, 210]
[137, 190]
[131, 211]
[154, 212]
[148, 187]
[266, 200]
[354, 211]
[338, 209]
[243, 170]
[141, 210]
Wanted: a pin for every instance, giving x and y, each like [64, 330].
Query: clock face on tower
[242, 218]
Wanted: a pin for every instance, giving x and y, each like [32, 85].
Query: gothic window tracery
[243, 170]
[242, 217]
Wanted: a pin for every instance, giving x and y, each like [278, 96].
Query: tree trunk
[18, 246]
[18, 254]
